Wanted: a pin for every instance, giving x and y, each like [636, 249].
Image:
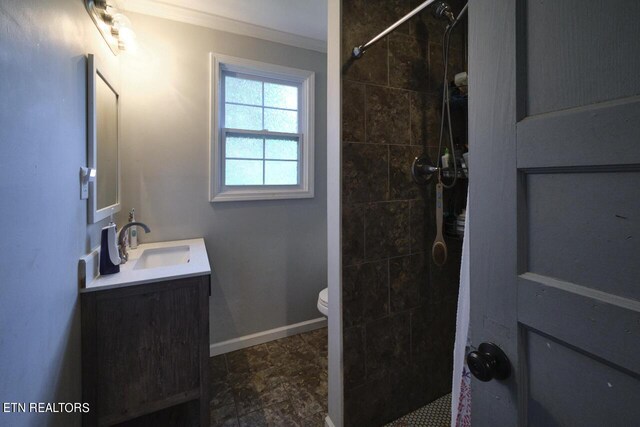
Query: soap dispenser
[109, 256]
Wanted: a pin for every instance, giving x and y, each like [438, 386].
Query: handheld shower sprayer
[443, 10]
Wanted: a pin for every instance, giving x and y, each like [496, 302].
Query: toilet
[323, 302]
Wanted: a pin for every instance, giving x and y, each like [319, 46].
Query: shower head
[443, 10]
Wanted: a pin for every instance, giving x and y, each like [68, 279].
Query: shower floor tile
[435, 414]
[279, 383]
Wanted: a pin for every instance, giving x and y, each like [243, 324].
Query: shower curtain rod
[358, 51]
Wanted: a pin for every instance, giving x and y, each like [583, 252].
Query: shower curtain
[461, 393]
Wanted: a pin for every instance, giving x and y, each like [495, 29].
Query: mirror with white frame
[103, 142]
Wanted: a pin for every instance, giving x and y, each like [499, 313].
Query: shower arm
[358, 51]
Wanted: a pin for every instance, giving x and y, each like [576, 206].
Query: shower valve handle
[421, 169]
[489, 362]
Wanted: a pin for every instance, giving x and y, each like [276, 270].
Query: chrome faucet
[122, 244]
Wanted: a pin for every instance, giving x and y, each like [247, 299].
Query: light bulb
[127, 35]
[120, 21]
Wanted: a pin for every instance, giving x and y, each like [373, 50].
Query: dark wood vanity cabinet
[145, 348]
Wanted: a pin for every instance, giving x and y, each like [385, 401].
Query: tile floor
[280, 383]
[435, 414]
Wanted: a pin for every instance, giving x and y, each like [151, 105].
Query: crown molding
[216, 22]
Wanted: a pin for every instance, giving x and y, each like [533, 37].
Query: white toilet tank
[323, 301]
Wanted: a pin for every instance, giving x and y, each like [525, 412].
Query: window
[261, 131]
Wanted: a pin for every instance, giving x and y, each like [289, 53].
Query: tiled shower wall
[398, 307]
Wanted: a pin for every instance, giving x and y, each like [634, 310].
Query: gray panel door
[555, 209]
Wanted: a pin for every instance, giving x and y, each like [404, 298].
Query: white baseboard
[266, 336]
[328, 422]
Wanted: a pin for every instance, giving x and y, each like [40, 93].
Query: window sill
[239, 195]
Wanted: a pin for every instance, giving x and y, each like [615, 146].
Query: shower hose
[446, 111]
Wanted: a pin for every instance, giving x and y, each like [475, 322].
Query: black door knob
[489, 362]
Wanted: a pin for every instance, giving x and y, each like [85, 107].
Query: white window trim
[217, 191]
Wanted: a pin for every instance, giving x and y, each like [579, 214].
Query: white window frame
[218, 191]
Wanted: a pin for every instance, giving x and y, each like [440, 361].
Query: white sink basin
[163, 257]
[149, 263]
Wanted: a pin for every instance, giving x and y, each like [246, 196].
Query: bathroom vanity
[145, 338]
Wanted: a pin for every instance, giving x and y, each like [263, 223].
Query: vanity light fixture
[112, 24]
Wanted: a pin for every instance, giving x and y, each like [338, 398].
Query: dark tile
[432, 338]
[353, 356]
[365, 173]
[371, 67]
[256, 418]
[456, 64]
[254, 390]
[387, 115]
[410, 390]
[408, 63]
[353, 112]
[372, 15]
[220, 393]
[422, 220]
[304, 401]
[352, 234]
[422, 321]
[320, 389]
[387, 345]
[401, 183]
[248, 401]
[439, 378]
[249, 359]
[304, 353]
[295, 362]
[317, 339]
[257, 382]
[224, 416]
[289, 362]
[425, 119]
[409, 279]
[283, 414]
[361, 21]
[425, 25]
[445, 323]
[445, 279]
[316, 420]
[218, 368]
[365, 292]
[419, 25]
[323, 361]
[434, 155]
[387, 232]
[311, 380]
[367, 404]
[319, 342]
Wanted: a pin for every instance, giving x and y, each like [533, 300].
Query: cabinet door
[148, 352]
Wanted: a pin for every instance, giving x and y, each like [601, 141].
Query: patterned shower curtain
[461, 393]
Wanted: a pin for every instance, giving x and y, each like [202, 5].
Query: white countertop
[198, 265]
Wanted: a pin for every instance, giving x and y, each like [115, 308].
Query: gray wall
[42, 146]
[268, 257]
